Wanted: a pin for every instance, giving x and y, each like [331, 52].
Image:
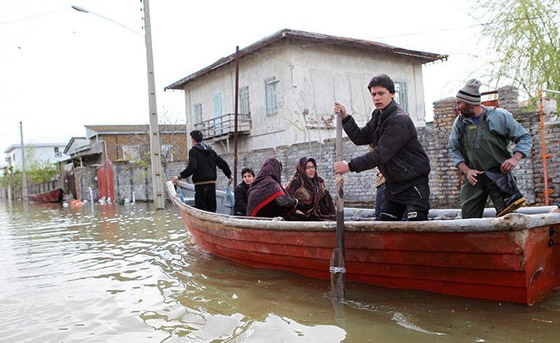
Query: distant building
[288, 83]
[34, 152]
[125, 143]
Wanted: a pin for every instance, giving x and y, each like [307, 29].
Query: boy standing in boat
[478, 145]
[397, 153]
[202, 166]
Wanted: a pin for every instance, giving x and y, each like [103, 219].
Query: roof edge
[325, 39]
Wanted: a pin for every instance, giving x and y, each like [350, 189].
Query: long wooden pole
[236, 116]
[543, 147]
[337, 268]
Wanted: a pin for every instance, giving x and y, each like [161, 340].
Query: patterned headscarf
[266, 187]
[311, 193]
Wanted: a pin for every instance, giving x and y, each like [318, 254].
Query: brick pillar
[444, 116]
[552, 138]
[508, 98]
[444, 176]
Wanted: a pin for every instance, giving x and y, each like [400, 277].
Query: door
[71, 184]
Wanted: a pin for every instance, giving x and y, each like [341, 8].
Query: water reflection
[124, 273]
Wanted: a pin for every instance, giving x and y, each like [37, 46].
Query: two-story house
[288, 83]
[34, 152]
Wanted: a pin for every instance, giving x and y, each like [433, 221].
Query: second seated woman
[267, 197]
[311, 191]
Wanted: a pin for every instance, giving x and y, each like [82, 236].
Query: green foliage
[525, 37]
[41, 172]
[11, 178]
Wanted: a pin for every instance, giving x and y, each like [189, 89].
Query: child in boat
[242, 190]
[267, 197]
[314, 200]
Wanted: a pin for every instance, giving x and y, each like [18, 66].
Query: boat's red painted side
[515, 266]
[51, 196]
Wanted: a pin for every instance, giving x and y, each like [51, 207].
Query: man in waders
[478, 145]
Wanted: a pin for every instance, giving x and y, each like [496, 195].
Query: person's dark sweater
[397, 151]
[241, 196]
[202, 164]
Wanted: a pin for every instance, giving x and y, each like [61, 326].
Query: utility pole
[24, 174]
[155, 149]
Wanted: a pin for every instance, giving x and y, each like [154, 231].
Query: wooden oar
[337, 268]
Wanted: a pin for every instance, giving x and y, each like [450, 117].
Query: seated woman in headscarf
[267, 197]
[311, 191]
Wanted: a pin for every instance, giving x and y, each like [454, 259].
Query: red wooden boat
[51, 196]
[515, 258]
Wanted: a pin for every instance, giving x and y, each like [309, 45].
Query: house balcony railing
[225, 125]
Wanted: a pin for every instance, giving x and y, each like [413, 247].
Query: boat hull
[47, 197]
[509, 259]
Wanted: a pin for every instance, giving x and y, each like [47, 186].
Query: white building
[288, 83]
[40, 152]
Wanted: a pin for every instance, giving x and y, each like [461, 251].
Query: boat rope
[335, 270]
[551, 242]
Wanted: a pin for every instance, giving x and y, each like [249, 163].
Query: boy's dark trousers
[205, 197]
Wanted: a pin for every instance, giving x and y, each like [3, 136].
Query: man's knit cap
[470, 93]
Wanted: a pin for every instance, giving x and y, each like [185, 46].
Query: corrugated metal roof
[72, 140]
[309, 37]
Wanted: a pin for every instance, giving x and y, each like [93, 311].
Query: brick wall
[86, 178]
[115, 144]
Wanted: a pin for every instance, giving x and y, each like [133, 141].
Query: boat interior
[185, 191]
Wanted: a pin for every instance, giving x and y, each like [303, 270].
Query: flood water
[129, 274]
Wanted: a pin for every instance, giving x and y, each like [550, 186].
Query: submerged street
[124, 273]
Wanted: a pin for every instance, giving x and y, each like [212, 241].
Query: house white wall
[34, 152]
[311, 77]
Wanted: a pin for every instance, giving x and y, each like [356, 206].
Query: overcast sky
[61, 69]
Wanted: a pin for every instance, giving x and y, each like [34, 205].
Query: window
[401, 94]
[167, 152]
[131, 152]
[271, 100]
[244, 104]
[197, 113]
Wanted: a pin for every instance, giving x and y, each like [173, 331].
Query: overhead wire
[31, 17]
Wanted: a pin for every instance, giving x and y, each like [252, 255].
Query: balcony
[224, 126]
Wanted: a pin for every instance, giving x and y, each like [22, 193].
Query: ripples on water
[127, 274]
